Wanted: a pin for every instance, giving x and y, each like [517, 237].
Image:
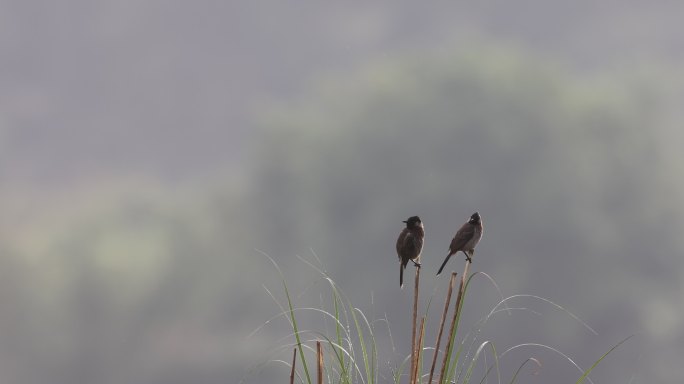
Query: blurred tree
[524, 141]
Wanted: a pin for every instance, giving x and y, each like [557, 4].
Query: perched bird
[410, 244]
[466, 239]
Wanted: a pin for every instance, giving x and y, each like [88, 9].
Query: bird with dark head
[466, 239]
[410, 244]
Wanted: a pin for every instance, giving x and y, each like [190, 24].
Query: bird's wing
[463, 235]
[408, 244]
[401, 242]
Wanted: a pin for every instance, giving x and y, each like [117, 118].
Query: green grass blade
[522, 365]
[293, 320]
[586, 373]
[364, 352]
[473, 362]
[296, 333]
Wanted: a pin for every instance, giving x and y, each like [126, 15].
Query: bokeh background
[150, 150]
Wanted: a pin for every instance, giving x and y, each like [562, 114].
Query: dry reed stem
[319, 352]
[441, 325]
[294, 360]
[419, 349]
[415, 315]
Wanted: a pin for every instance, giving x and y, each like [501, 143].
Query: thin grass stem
[419, 348]
[319, 354]
[292, 371]
[454, 326]
[415, 316]
[441, 325]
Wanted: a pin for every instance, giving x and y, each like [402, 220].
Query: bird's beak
[404, 221]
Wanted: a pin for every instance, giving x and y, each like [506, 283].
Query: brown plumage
[410, 244]
[466, 239]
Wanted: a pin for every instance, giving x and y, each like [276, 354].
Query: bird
[410, 244]
[466, 239]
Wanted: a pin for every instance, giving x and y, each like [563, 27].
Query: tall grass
[349, 354]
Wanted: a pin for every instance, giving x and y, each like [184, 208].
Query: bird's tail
[401, 274]
[444, 263]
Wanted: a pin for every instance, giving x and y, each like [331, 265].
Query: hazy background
[147, 148]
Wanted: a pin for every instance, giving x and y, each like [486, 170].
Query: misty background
[149, 151]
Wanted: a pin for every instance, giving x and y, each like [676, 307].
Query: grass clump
[349, 353]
